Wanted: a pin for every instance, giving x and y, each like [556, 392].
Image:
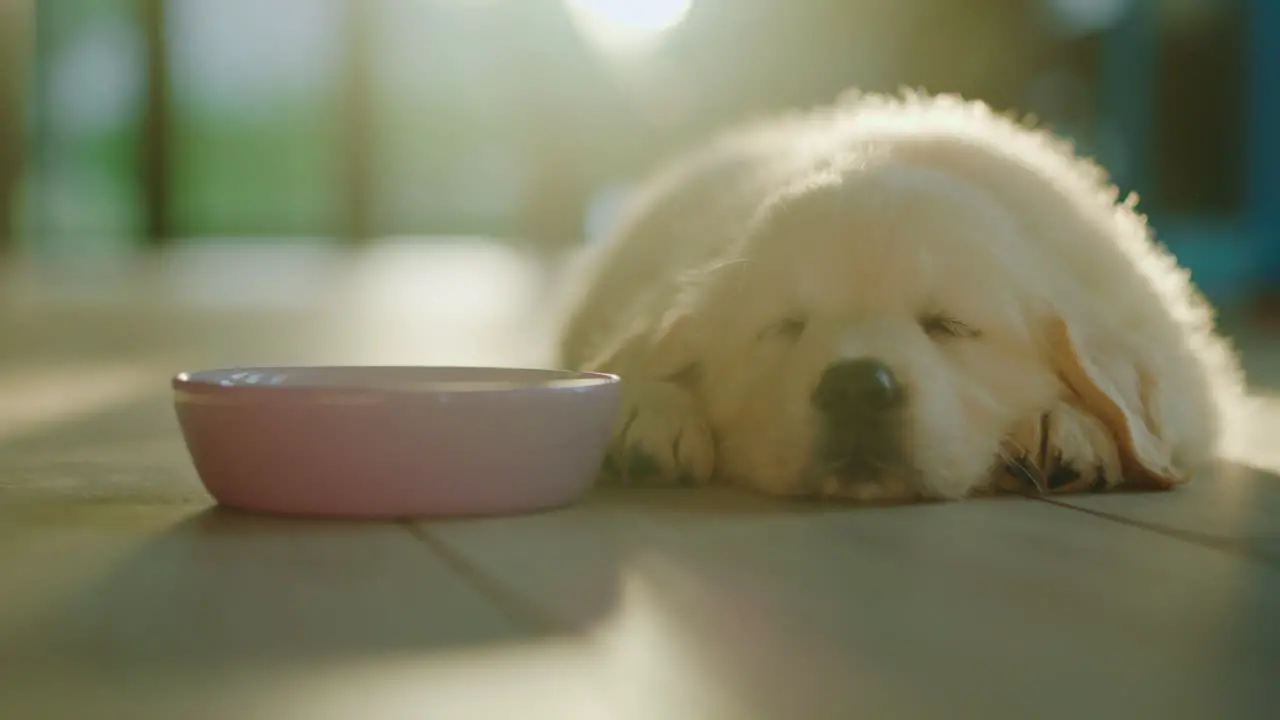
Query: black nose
[854, 388]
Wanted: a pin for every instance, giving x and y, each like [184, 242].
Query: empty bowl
[389, 442]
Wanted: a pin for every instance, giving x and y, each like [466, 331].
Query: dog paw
[1063, 451]
[661, 439]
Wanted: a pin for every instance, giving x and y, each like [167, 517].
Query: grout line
[523, 612]
[1212, 542]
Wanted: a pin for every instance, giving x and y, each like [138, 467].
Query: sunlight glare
[635, 15]
[622, 23]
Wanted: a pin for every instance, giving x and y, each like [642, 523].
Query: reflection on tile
[1238, 504]
[1257, 442]
[984, 609]
[1241, 503]
[34, 398]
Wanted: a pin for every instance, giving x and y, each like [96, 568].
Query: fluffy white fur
[744, 269]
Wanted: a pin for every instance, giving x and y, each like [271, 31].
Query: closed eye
[791, 328]
[942, 326]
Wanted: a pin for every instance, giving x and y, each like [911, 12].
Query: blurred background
[132, 124]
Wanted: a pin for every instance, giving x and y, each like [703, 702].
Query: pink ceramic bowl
[384, 442]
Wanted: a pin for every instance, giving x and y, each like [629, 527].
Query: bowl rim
[197, 385]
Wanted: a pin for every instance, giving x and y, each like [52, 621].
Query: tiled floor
[124, 593]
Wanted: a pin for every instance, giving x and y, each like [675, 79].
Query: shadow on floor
[224, 590]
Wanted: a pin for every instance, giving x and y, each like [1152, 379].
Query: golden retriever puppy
[898, 297]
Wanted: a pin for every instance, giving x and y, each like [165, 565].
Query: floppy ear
[659, 350]
[1111, 384]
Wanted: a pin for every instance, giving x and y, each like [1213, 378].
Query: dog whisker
[1018, 466]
